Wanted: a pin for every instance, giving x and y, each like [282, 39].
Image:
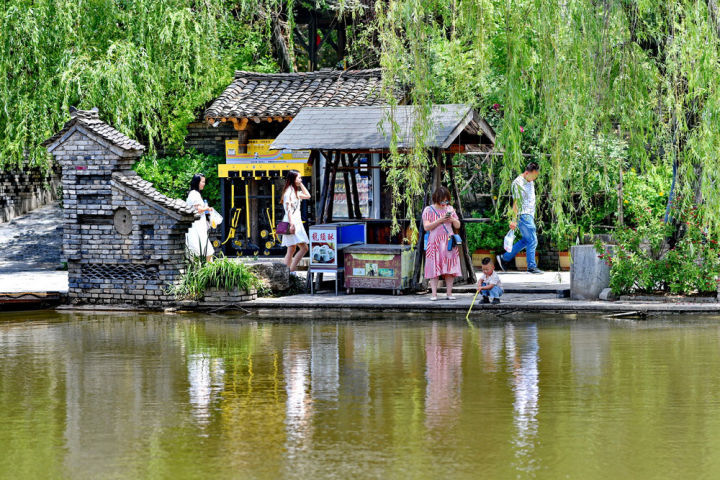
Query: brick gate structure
[124, 242]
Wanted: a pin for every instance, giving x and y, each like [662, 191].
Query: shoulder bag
[286, 228]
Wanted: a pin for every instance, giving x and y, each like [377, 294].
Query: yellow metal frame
[259, 170]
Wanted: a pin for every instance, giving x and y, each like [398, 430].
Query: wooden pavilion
[341, 134]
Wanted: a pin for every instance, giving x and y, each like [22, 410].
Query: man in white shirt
[523, 191]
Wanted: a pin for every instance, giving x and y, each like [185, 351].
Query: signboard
[323, 247]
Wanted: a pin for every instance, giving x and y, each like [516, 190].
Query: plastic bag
[215, 218]
[509, 240]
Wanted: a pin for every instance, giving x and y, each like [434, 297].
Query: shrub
[223, 273]
[642, 261]
[171, 175]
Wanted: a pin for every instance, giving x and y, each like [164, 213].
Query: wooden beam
[289, 119]
[243, 124]
[278, 119]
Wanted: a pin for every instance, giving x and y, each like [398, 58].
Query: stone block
[273, 275]
[589, 275]
[608, 295]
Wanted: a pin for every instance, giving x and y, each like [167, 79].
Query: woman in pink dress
[439, 219]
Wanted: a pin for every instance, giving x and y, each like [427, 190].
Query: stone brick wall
[123, 241]
[209, 140]
[23, 191]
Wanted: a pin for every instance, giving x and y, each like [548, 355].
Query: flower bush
[644, 262]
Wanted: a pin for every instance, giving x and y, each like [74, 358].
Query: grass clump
[222, 273]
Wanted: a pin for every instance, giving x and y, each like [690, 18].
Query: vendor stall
[387, 267]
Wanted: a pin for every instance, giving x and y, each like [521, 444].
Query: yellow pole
[273, 210]
[247, 209]
[467, 317]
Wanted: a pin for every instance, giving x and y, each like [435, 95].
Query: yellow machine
[251, 180]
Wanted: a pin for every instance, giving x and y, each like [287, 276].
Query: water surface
[159, 396]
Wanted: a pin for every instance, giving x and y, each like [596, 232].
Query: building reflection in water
[206, 376]
[443, 374]
[325, 371]
[299, 407]
[521, 346]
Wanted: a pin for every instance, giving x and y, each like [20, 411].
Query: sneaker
[500, 262]
[450, 297]
[536, 271]
[485, 300]
[433, 299]
[495, 301]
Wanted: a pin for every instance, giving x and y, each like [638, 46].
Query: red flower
[496, 106]
[522, 129]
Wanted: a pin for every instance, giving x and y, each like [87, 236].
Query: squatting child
[489, 284]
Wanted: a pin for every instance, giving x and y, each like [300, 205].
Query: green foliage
[149, 66]
[171, 175]
[589, 89]
[643, 262]
[222, 273]
[486, 236]
[646, 193]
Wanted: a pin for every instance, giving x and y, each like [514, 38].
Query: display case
[387, 267]
[327, 244]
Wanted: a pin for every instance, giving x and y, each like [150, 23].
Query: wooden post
[353, 184]
[330, 196]
[437, 172]
[420, 245]
[325, 185]
[348, 192]
[464, 250]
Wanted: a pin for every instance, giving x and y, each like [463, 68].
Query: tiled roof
[284, 94]
[90, 120]
[356, 128]
[145, 188]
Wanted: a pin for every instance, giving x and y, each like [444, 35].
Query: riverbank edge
[284, 307]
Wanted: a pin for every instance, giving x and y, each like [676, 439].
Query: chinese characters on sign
[323, 247]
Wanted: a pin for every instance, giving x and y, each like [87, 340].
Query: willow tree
[570, 79]
[148, 65]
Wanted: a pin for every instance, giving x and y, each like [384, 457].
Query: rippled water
[156, 396]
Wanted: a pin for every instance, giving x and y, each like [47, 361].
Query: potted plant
[485, 239]
[521, 260]
[562, 245]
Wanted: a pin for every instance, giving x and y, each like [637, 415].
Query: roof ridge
[146, 189]
[370, 72]
[90, 119]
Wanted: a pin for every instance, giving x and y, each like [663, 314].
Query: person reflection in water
[443, 373]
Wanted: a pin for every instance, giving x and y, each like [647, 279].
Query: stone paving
[33, 241]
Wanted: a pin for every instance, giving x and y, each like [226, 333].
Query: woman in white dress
[293, 193]
[197, 237]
